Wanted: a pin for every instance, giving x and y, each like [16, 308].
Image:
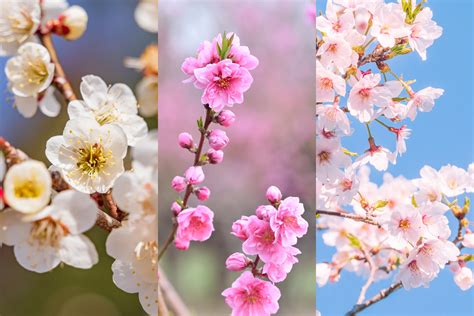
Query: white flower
[389, 24]
[146, 15]
[147, 94]
[19, 20]
[379, 157]
[405, 224]
[136, 191]
[31, 71]
[74, 19]
[134, 246]
[323, 271]
[454, 180]
[115, 105]
[468, 240]
[329, 158]
[328, 84]
[45, 101]
[423, 101]
[27, 186]
[463, 278]
[54, 235]
[89, 156]
[423, 31]
[412, 275]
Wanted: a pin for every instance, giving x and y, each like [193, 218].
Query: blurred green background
[271, 142]
[111, 36]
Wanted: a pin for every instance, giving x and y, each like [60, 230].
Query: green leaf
[413, 201]
[355, 242]
[180, 202]
[200, 123]
[380, 204]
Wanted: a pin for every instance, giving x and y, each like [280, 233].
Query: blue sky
[442, 136]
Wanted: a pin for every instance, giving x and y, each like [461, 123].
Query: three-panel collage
[236, 157]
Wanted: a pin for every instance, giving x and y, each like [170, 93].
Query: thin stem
[380, 296]
[383, 124]
[370, 280]
[349, 216]
[368, 130]
[189, 187]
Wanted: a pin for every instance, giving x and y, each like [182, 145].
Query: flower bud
[202, 193]
[237, 262]
[72, 23]
[226, 118]
[178, 184]
[176, 208]
[215, 156]
[194, 175]
[185, 140]
[264, 212]
[273, 194]
[217, 139]
[239, 228]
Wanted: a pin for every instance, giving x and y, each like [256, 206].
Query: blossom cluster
[404, 227]
[30, 71]
[270, 236]
[221, 70]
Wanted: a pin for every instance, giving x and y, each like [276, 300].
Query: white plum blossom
[54, 235]
[147, 95]
[146, 15]
[109, 105]
[88, 155]
[19, 20]
[27, 186]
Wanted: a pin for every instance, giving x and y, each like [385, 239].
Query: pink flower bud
[265, 211]
[215, 156]
[194, 175]
[178, 183]
[237, 262]
[217, 139]
[273, 194]
[202, 193]
[72, 23]
[176, 208]
[226, 118]
[239, 228]
[185, 140]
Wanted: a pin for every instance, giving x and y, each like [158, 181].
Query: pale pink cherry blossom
[468, 240]
[43, 240]
[423, 101]
[224, 84]
[251, 296]
[361, 20]
[435, 254]
[194, 224]
[412, 275]
[368, 92]
[323, 271]
[262, 241]
[328, 84]
[436, 224]
[237, 262]
[396, 111]
[405, 225]
[288, 223]
[470, 171]
[402, 134]
[333, 22]
[394, 190]
[278, 272]
[430, 189]
[329, 158]
[463, 277]
[335, 51]
[331, 116]
[378, 156]
[389, 24]
[423, 31]
[454, 180]
[353, 5]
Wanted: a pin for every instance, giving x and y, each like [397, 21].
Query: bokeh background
[111, 36]
[271, 142]
[443, 136]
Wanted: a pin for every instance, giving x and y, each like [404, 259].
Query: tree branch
[173, 299]
[380, 296]
[352, 216]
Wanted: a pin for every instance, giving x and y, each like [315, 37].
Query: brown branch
[12, 155]
[173, 299]
[60, 81]
[380, 296]
[350, 216]
[189, 187]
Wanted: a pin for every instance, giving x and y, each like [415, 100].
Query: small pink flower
[237, 262]
[273, 194]
[215, 156]
[185, 140]
[202, 193]
[287, 223]
[176, 208]
[194, 224]
[239, 228]
[278, 272]
[250, 296]
[226, 118]
[217, 139]
[178, 184]
[224, 84]
[194, 175]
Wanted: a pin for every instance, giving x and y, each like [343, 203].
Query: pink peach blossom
[287, 222]
[194, 175]
[194, 224]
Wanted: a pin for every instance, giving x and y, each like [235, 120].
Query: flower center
[28, 189]
[48, 232]
[364, 93]
[224, 83]
[324, 156]
[332, 48]
[21, 24]
[147, 250]
[413, 266]
[93, 159]
[346, 185]
[36, 72]
[107, 113]
[404, 224]
[326, 83]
